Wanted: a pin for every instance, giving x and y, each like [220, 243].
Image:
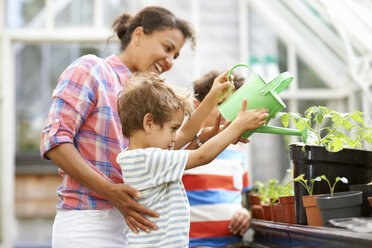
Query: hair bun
[121, 24]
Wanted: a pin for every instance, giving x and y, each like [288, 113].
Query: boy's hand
[240, 222]
[250, 119]
[221, 86]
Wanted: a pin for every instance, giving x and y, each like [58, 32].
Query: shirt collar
[122, 71]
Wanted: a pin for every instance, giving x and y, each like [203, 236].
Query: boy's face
[164, 137]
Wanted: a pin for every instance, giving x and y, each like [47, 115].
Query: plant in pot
[267, 192]
[286, 203]
[339, 205]
[333, 148]
[313, 215]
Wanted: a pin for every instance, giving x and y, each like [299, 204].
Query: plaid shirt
[84, 113]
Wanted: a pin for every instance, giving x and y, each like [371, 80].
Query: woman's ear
[148, 122]
[137, 35]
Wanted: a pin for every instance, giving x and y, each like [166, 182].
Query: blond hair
[149, 93]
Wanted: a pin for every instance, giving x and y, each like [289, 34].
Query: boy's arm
[246, 120]
[189, 130]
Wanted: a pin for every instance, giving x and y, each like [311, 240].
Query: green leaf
[346, 124]
[337, 144]
[285, 120]
[358, 117]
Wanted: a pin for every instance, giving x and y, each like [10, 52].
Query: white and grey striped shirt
[157, 174]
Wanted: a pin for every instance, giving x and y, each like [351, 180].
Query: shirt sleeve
[166, 166]
[73, 101]
[153, 169]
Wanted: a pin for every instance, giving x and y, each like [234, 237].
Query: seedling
[300, 179]
[332, 188]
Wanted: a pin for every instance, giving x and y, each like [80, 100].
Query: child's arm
[246, 120]
[189, 130]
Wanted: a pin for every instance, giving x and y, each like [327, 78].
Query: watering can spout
[284, 131]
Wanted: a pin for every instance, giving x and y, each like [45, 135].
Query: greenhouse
[322, 47]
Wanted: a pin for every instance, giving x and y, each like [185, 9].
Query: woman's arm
[68, 158]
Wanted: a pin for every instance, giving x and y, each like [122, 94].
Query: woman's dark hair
[151, 19]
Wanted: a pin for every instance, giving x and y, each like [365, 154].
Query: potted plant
[339, 205]
[270, 207]
[313, 215]
[333, 148]
[286, 200]
[277, 212]
[267, 193]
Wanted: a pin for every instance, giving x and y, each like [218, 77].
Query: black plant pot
[367, 192]
[340, 205]
[313, 161]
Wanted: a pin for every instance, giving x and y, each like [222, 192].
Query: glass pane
[25, 13]
[77, 13]
[218, 37]
[282, 56]
[307, 78]
[114, 8]
[38, 68]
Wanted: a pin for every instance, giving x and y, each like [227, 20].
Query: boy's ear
[148, 122]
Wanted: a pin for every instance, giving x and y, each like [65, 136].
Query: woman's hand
[121, 197]
[240, 221]
[209, 132]
[68, 158]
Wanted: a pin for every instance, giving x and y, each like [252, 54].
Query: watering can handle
[279, 83]
[238, 65]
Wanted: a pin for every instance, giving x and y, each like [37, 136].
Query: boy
[217, 185]
[151, 114]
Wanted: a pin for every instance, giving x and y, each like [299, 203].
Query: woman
[82, 134]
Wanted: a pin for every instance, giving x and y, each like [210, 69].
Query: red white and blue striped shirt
[215, 191]
[84, 113]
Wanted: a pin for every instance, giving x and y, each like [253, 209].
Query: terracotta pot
[274, 214]
[266, 211]
[278, 209]
[288, 209]
[254, 199]
[314, 218]
[257, 212]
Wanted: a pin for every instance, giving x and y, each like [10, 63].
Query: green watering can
[260, 95]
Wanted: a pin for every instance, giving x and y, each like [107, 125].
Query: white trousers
[89, 228]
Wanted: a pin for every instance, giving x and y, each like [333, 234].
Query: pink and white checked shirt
[84, 113]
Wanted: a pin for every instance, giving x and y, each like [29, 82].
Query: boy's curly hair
[149, 93]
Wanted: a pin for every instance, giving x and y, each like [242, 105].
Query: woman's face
[155, 52]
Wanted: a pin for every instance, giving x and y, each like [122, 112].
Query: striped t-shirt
[157, 174]
[215, 191]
